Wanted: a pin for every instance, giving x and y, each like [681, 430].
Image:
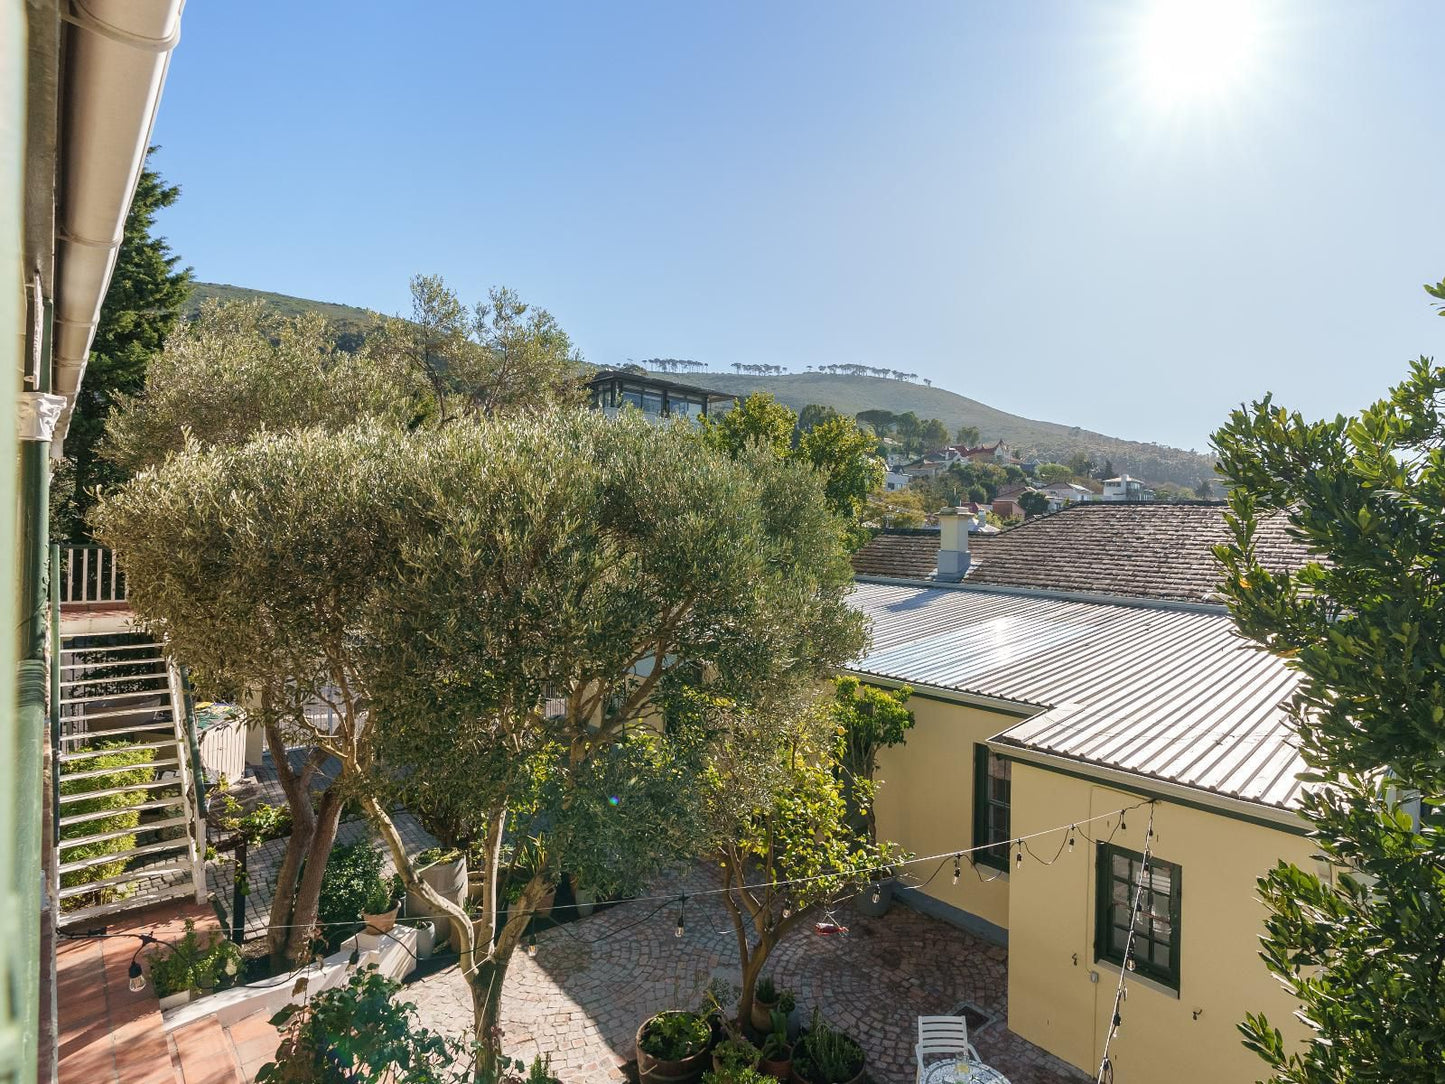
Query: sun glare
[1194, 51]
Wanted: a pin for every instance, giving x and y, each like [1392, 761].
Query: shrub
[672, 1036]
[826, 1056]
[747, 1074]
[353, 873]
[359, 1034]
[737, 1053]
[435, 855]
[132, 767]
[191, 964]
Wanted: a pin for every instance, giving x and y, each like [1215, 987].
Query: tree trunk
[298, 846]
[308, 893]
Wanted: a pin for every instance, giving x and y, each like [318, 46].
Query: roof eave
[1239, 808]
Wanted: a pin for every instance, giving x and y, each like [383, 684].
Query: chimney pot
[953, 544]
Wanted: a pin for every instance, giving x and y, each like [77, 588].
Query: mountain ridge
[1045, 440]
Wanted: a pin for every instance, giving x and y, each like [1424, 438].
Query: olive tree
[1364, 625]
[587, 564]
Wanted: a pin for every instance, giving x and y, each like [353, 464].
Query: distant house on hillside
[1065, 493]
[612, 390]
[896, 479]
[1125, 488]
[932, 464]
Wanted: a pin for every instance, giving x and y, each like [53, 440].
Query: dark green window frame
[1156, 935]
[991, 813]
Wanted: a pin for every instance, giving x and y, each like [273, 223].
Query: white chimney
[953, 544]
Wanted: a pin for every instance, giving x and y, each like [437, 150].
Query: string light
[532, 945]
[681, 911]
[1071, 839]
[957, 867]
[1116, 1019]
[1019, 857]
[877, 894]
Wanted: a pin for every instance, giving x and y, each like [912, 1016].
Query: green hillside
[351, 323]
[1046, 440]
[847, 394]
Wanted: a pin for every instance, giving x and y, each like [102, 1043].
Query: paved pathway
[593, 982]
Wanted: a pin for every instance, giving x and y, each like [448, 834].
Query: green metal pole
[55, 686]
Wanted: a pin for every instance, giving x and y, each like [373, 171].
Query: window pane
[1160, 879]
[1118, 937]
[1121, 897]
[1121, 865]
[1161, 956]
[652, 402]
[632, 396]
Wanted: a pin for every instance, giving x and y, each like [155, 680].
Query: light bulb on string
[532, 945]
[1071, 839]
[1019, 857]
[877, 894]
[681, 927]
[957, 868]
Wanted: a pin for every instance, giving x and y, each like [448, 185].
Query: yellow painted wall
[1052, 1001]
[925, 800]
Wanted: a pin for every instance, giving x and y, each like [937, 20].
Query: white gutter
[116, 56]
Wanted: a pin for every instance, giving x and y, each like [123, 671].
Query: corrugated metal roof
[1171, 694]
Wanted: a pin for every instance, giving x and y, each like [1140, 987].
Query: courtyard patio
[581, 998]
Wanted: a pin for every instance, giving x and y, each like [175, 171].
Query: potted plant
[379, 910]
[188, 968]
[777, 1053]
[672, 1047]
[824, 1055]
[745, 1075]
[765, 1001]
[426, 936]
[735, 1053]
[445, 871]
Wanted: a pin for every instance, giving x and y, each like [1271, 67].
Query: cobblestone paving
[592, 983]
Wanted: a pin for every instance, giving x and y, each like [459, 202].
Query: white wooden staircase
[128, 835]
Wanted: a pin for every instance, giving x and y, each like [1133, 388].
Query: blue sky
[1002, 197]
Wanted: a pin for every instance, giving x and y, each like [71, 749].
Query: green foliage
[825, 1055]
[967, 435]
[124, 768]
[141, 307]
[843, 453]
[868, 719]
[967, 481]
[1048, 473]
[894, 508]
[195, 964]
[263, 823]
[434, 856]
[352, 884]
[813, 415]
[361, 1034]
[758, 419]
[766, 991]
[239, 369]
[735, 1053]
[672, 1036]
[737, 1074]
[1363, 626]
[1033, 503]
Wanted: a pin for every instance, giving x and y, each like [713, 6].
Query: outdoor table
[961, 1071]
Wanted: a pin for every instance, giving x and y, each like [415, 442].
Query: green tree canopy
[141, 307]
[1364, 626]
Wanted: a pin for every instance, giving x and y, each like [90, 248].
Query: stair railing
[187, 771]
[90, 576]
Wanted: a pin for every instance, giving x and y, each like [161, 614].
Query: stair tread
[80, 796]
[154, 675]
[140, 901]
[125, 878]
[120, 833]
[102, 735]
[88, 754]
[101, 698]
[95, 773]
[102, 814]
[163, 709]
[123, 856]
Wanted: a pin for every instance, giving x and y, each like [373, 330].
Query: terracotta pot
[381, 923]
[652, 1070]
[762, 1014]
[796, 1078]
[782, 1069]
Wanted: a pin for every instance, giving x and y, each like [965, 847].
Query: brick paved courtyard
[593, 982]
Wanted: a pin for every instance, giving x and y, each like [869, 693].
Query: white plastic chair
[942, 1037]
